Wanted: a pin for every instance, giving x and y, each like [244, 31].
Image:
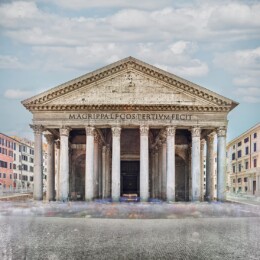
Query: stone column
[100, 179]
[164, 173]
[108, 172]
[116, 132]
[160, 173]
[210, 168]
[202, 144]
[153, 173]
[156, 168]
[221, 164]
[64, 163]
[104, 178]
[50, 168]
[89, 174]
[96, 163]
[57, 169]
[195, 164]
[144, 163]
[170, 167]
[38, 166]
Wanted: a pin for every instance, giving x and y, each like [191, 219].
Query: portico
[129, 128]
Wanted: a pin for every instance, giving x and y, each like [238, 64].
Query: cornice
[126, 65]
[128, 108]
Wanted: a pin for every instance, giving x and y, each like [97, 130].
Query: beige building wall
[243, 162]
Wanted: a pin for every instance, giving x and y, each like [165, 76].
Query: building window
[246, 140]
[255, 163]
[11, 176]
[239, 144]
[25, 167]
[233, 156]
[31, 178]
[239, 167]
[15, 176]
[11, 166]
[234, 147]
[14, 156]
[246, 150]
[234, 189]
[255, 135]
[245, 179]
[246, 188]
[31, 169]
[246, 165]
[239, 180]
[234, 180]
[0, 175]
[254, 147]
[234, 168]
[31, 160]
[3, 164]
[239, 154]
[14, 146]
[25, 158]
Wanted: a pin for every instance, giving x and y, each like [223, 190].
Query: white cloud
[10, 62]
[244, 65]
[180, 47]
[18, 94]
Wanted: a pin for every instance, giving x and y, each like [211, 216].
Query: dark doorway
[130, 177]
[181, 187]
[254, 187]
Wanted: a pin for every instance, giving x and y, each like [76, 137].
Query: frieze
[130, 116]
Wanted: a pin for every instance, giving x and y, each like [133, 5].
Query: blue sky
[44, 43]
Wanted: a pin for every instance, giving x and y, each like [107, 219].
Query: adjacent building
[17, 163]
[243, 162]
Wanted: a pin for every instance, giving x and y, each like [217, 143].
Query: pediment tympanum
[128, 82]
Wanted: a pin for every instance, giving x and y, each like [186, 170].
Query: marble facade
[129, 127]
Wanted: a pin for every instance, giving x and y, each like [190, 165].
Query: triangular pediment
[129, 82]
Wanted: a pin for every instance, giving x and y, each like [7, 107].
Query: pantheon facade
[130, 128]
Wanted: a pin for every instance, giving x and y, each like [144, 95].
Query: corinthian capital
[65, 131]
[202, 144]
[116, 131]
[195, 132]
[170, 130]
[37, 129]
[210, 138]
[49, 138]
[221, 131]
[144, 130]
[90, 130]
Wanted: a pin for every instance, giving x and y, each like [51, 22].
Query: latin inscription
[134, 116]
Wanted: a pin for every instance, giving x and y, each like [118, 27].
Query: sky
[44, 43]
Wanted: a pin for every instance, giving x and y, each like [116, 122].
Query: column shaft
[104, 179]
[57, 171]
[202, 144]
[144, 163]
[195, 164]
[38, 166]
[96, 163]
[50, 168]
[164, 170]
[170, 164]
[210, 168]
[89, 175]
[64, 163]
[156, 168]
[221, 165]
[116, 131]
[108, 172]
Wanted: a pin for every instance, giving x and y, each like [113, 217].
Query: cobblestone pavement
[84, 238]
[103, 230]
[104, 209]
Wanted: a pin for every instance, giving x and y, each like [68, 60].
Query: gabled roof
[40, 101]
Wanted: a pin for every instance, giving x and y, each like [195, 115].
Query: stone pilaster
[50, 168]
[156, 169]
[195, 164]
[210, 168]
[38, 166]
[221, 164]
[89, 175]
[202, 145]
[116, 132]
[57, 171]
[144, 163]
[64, 163]
[96, 164]
[170, 167]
